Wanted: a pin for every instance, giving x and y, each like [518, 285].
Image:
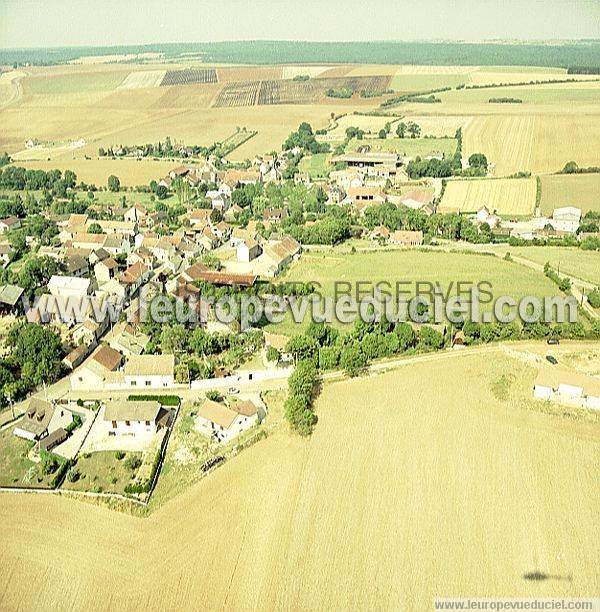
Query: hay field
[424, 82]
[368, 123]
[581, 190]
[535, 143]
[430, 490]
[504, 196]
[408, 146]
[441, 126]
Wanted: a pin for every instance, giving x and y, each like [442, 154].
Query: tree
[401, 129]
[353, 360]
[173, 338]
[298, 406]
[216, 216]
[382, 134]
[36, 272]
[95, 228]
[161, 192]
[273, 354]
[37, 351]
[413, 129]
[594, 298]
[570, 168]
[114, 184]
[478, 160]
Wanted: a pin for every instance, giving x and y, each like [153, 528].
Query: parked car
[551, 359]
[553, 341]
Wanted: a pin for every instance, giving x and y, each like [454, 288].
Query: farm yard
[502, 196]
[581, 190]
[276, 509]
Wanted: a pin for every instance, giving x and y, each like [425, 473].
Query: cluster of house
[264, 169]
[563, 222]
[567, 387]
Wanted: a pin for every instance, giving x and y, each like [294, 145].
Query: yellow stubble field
[421, 490]
[504, 196]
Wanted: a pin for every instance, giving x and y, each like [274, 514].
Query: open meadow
[408, 267]
[421, 490]
[569, 260]
[580, 190]
[502, 196]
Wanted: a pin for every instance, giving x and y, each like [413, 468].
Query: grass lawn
[407, 146]
[16, 469]
[316, 165]
[102, 472]
[412, 266]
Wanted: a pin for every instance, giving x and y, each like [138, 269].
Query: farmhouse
[35, 421]
[105, 270]
[248, 250]
[6, 253]
[127, 340]
[224, 422]
[131, 418]
[568, 387]
[374, 164]
[150, 371]
[280, 252]
[380, 233]
[416, 199]
[8, 224]
[406, 238]
[365, 195]
[9, 297]
[135, 214]
[95, 373]
[566, 219]
[69, 286]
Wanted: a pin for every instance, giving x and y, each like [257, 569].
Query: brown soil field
[429, 491]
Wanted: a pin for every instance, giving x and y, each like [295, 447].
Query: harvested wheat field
[429, 490]
[534, 143]
[503, 196]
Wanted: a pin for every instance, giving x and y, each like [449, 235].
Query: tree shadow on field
[537, 576]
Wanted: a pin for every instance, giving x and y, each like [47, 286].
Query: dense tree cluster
[304, 138]
[35, 358]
